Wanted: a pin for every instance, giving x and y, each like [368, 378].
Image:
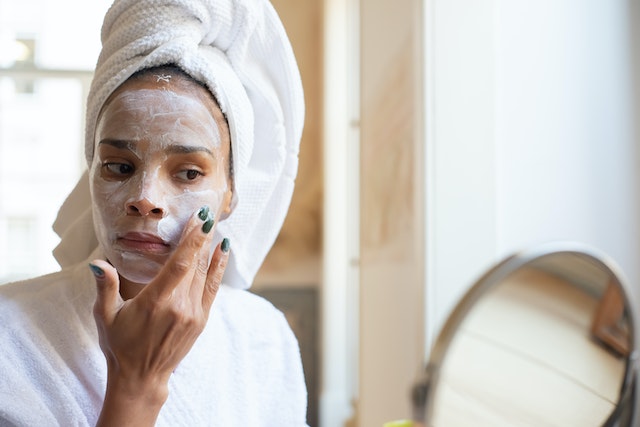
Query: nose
[144, 207]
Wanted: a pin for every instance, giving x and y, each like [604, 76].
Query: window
[45, 73]
[18, 247]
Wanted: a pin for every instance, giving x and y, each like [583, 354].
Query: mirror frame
[423, 393]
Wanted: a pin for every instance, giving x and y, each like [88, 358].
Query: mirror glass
[538, 342]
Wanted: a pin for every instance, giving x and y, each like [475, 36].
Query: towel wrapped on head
[240, 51]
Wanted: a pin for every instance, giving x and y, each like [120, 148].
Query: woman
[159, 330]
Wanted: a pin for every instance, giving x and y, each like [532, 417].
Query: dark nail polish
[203, 213]
[225, 245]
[97, 271]
[208, 225]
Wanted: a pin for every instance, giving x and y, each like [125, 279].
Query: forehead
[163, 106]
[175, 82]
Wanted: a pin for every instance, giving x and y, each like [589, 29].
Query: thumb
[108, 298]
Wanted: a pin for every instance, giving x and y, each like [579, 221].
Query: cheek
[108, 200]
[182, 207]
[108, 195]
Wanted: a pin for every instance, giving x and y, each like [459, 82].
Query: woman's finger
[204, 262]
[108, 299]
[183, 263]
[215, 274]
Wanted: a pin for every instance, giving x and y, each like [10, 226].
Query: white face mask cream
[159, 158]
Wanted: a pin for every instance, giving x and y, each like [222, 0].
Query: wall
[527, 136]
[391, 209]
[634, 234]
[556, 152]
[566, 164]
[459, 158]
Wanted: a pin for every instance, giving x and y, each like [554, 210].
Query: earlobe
[227, 205]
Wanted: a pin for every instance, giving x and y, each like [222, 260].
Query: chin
[136, 268]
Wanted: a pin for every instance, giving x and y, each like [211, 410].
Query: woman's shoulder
[35, 285]
[243, 309]
[248, 321]
[67, 290]
[252, 305]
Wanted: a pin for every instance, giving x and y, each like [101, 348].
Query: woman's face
[161, 153]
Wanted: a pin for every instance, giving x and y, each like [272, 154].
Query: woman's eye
[119, 168]
[189, 174]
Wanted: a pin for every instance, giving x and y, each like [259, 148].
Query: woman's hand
[145, 338]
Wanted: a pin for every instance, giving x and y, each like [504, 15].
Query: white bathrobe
[244, 369]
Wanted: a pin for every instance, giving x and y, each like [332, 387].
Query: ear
[227, 205]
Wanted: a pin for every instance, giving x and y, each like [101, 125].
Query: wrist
[132, 401]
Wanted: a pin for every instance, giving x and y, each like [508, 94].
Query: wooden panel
[391, 213]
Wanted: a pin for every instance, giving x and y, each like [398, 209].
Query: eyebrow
[171, 149]
[188, 149]
[122, 145]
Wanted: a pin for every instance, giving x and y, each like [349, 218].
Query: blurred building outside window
[46, 60]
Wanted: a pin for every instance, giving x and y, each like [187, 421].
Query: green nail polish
[97, 271]
[225, 245]
[208, 225]
[203, 213]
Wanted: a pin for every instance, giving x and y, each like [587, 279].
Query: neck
[129, 289]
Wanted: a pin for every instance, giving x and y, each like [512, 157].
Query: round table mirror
[545, 338]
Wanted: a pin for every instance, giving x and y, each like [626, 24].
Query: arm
[145, 337]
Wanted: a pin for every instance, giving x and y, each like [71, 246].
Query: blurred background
[440, 136]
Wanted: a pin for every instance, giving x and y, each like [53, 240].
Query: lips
[143, 242]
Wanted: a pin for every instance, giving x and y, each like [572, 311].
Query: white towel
[240, 50]
[243, 370]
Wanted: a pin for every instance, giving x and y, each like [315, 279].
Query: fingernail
[225, 245]
[208, 225]
[97, 271]
[203, 213]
